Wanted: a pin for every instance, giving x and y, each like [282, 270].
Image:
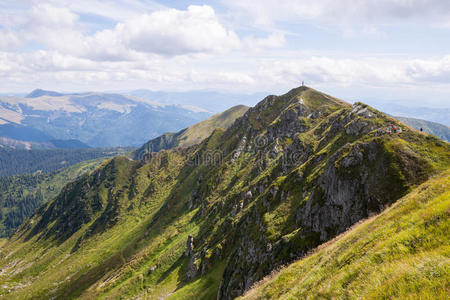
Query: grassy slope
[198, 132]
[104, 253]
[403, 252]
[48, 185]
[141, 254]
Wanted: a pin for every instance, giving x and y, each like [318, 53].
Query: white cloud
[175, 32]
[274, 40]
[46, 15]
[9, 41]
[144, 44]
[117, 10]
[238, 73]
[343, 12]
[164, 32]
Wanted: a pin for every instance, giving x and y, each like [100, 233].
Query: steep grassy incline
[402, 253]
[20, 195]
[210, 220]
[192, 135]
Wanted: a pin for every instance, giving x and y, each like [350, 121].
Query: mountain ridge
[209, 220]
[39, 93]
[20, 195]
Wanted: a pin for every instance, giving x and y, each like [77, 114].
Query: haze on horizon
[389, 50]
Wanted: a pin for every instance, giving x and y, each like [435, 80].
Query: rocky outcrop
[357, 179]
[189, 246]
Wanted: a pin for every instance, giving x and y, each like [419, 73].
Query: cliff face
[379, 257]
[210, 220]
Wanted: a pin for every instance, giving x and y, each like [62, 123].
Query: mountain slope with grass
[209, 220]
[193, 134]
[20, 195]
[402, 253]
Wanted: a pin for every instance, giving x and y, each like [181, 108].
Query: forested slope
[17, 162]
[20, 195]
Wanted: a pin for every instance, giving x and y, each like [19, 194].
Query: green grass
[402, 253]
[203, 288]
[32, 190]
[198, 132]
[133, 219]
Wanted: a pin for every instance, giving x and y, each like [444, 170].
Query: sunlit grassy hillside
[402, 253]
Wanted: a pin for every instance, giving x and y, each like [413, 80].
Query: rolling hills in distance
[439, 130]
[193, 134]
[95, 119]
[15, 136]
[49, 119]
[209, 220]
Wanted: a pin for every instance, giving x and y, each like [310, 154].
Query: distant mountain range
[17, 136]
[193, 134]
[433, 114]
[209, 100]
[39, 93]
[439, 130]
[78, 120]
[95, 119]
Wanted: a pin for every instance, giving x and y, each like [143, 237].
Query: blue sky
[396, 50]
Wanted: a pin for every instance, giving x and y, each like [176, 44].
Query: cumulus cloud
[255, 75]
[164, 32]
[175, 32]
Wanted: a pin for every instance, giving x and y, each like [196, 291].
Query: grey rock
[189, 246]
